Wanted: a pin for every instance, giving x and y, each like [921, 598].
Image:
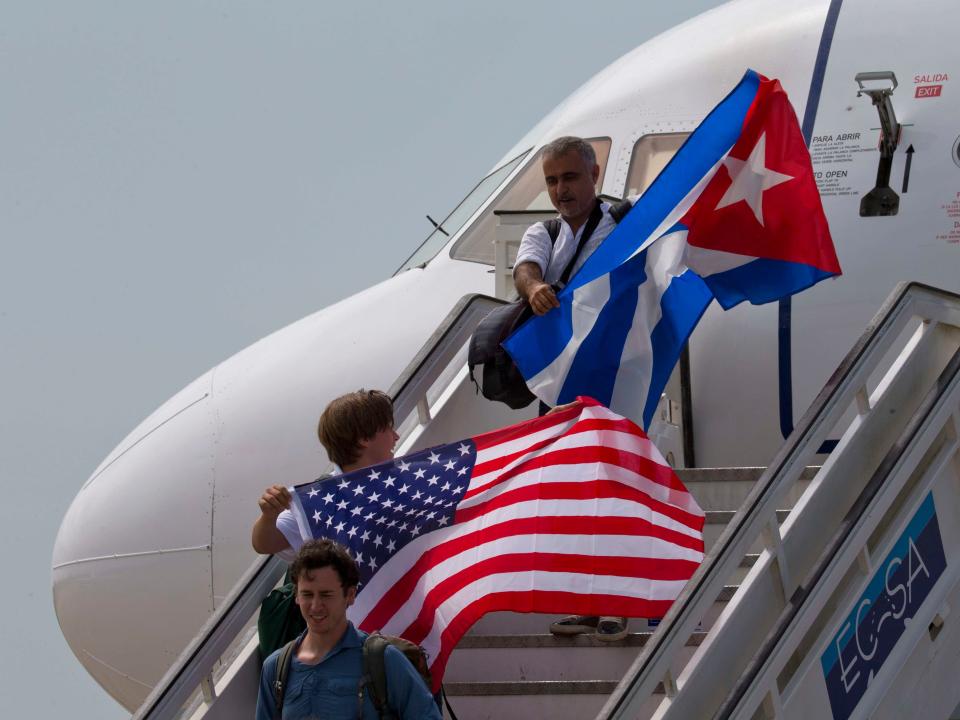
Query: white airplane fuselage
[202, 459]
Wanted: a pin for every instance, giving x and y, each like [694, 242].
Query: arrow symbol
[906, 169]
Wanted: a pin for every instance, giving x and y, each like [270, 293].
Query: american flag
[574, 512]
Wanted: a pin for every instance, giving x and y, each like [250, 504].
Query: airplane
[873, 84]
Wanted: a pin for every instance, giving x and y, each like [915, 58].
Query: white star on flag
[751, 177]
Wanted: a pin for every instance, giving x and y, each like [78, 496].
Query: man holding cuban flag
[735, 216]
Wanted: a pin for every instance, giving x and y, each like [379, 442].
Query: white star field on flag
[376, 511]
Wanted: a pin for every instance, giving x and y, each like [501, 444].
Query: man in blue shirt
[327, 665]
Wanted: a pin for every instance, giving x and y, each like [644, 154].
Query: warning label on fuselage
[832, 155]
[952, 209]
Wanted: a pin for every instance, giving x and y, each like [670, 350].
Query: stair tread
[732, 474]
[531, 687]
[547, 640]
[722, 517]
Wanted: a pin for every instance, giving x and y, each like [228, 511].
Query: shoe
[575, 624]
[611, 629]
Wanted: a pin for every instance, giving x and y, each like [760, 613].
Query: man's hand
[542, 299]
[561, 408]
[530, 285]
[266, 538]
[275, 499]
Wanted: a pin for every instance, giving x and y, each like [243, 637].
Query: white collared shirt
[553, 258]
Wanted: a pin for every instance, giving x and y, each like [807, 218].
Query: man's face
[571, 184]
[379, 448]
[323, 601]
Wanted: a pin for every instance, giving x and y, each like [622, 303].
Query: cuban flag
[735, 216]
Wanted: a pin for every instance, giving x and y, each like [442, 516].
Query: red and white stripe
[575, 512]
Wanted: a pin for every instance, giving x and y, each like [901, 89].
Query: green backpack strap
[375, 673]
[280, 676]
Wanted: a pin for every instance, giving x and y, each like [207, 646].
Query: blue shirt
[329, 689]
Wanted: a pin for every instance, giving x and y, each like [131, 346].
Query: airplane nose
[132, 562]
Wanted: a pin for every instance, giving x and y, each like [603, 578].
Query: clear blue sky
[179, 179]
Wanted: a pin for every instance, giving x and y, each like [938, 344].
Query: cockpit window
[526, 192]
[651, 153]
[461, 213]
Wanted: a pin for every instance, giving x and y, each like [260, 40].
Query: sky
[178, 180]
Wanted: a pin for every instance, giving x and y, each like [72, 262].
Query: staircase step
[723, 517]
[543, 699]
[561, 663]
[503, 707]
[494, 658]
[727, 488]
[533, 624]
[717, 520]
[531, 687]
[733, 474]
[547, 640]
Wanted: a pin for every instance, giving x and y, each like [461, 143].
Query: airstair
[827, 587]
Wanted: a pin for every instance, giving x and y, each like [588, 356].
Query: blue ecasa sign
[879, 617]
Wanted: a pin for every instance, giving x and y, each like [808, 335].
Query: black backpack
[500, 379]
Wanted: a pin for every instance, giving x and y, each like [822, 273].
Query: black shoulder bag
[500, 379]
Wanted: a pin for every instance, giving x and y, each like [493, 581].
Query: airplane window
[651, 153]
[461, 213]
[526, 192]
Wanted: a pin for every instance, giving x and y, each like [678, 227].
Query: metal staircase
[749, 634]
[800, 638]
